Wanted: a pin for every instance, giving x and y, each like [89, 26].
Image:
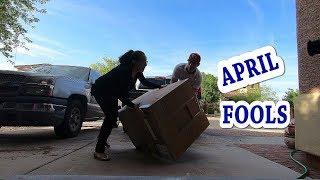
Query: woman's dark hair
[131, 57]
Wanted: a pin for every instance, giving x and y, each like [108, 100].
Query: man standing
[189, 71]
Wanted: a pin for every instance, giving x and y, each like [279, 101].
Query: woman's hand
[136, 107]
[162, 86]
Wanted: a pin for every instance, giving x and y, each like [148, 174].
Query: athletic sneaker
[101, 156]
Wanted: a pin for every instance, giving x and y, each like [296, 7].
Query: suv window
[159, 81]
[94, 75]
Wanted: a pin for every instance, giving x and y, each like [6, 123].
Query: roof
[238, 91]
[29, 67]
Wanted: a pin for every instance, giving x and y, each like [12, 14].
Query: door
[94, 111]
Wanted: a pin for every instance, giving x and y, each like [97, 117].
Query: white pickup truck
[49, 95]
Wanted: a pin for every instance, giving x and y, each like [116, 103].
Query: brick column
[308, 29]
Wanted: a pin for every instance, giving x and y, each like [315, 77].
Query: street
[29, 151]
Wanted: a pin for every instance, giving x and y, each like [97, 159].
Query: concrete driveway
[30, 152]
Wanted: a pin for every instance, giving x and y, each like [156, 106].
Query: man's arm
[173, 80]
[197, 83]
[174, 77]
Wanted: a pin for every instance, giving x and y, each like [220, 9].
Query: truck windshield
[75, 72]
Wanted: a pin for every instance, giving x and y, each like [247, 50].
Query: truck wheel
[73, 119]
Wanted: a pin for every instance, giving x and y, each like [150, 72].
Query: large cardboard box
[171, 120]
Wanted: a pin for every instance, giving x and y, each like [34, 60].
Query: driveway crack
[62, 156]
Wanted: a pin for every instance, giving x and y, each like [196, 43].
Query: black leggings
[109, 107]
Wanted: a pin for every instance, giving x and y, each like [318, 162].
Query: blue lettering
[263, 67]
[270, 63]
[260, 114]
[238, 71]
[252, 67]
[269, 121]
[227, 76]
[282, 114]
[226, 114]
[246, 114]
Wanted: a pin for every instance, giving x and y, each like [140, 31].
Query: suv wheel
[73, 119]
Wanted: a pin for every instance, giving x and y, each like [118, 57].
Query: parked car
[161, 80]
[141, 89]
[49, 95]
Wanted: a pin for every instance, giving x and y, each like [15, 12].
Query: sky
[81, 32]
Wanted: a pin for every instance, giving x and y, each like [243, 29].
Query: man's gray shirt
[180, 73]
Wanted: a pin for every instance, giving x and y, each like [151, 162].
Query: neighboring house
[242, 90]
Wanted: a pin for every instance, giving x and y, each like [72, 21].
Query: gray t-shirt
[180, 73]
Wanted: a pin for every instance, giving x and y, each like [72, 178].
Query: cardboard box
[171, 122]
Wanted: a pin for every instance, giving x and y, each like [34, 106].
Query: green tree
[268, 94]
[290, 96]
[249, 96]
[264, 93]
[210, 93]
[209, 87]
[15, 15]
[105, 66]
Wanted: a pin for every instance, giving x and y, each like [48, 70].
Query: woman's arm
[123, 79]
[147, 83]
[124, 98]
